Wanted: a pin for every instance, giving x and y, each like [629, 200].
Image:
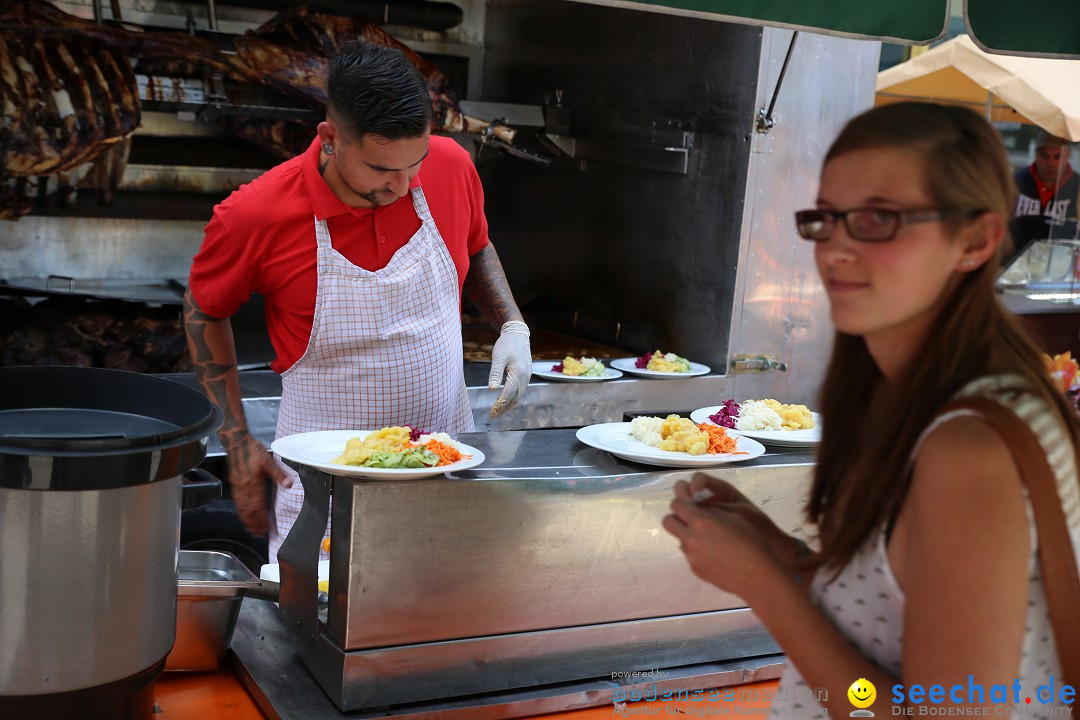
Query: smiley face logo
[862, 693]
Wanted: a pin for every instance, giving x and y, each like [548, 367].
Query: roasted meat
[325, 35]
[63, 103]
[282, 138]
[294, 48]
[68, 92]
[111, 334]
[67, 98]
[108, 169]
[154, 49]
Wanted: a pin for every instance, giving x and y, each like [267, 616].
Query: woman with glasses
[927, 568]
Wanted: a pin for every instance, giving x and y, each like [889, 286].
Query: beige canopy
[1036, 91]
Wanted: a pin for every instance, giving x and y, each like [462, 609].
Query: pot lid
[90, 411]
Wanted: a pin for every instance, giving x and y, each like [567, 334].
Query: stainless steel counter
[264, 659]
[1020, 304]
[546, 404]
[546, 565]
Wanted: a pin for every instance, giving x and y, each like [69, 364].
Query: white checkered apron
[385, 349]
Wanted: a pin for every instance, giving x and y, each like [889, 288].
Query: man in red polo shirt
[361, 248]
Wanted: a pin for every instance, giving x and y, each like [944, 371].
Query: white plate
[317, 449]
[543, 369]
[273, 572]
[777, 438]
[627, 365]
[615, 439]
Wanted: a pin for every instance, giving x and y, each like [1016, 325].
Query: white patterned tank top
[866, 603]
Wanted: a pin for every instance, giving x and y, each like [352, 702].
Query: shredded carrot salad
[447, 455]
[719, 440]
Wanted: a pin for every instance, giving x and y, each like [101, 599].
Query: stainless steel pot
[91, 475]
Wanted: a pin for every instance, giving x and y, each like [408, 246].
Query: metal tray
[210, 588]
[211, 573]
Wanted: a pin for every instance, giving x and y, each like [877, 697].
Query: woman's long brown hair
[870, 425]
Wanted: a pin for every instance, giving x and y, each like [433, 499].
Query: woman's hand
[727, 540]
[724, 494]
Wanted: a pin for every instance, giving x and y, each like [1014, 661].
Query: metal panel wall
[650, 252]
[780, 305]
[35, 247]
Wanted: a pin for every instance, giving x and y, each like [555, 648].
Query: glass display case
[1046, 270]
[1041, 283]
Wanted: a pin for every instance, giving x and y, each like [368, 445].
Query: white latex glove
[512, 354]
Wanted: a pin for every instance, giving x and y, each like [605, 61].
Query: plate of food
[666, 366]
[571, 369]
[769, 421]
[391, 453]
[670, 442]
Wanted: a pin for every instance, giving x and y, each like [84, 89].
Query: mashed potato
[358, 450]
[668, 362]
[772, 414]
[588, 367]
[674, 434]
[757, 415]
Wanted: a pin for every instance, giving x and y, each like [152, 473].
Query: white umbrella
[1038, 91]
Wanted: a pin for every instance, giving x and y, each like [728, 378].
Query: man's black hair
[375, 90]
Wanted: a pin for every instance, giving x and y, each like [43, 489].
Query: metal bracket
[649, 157]
[488, 139]
[299, 557]
[754, 363]
[669, 150]
[765, 121]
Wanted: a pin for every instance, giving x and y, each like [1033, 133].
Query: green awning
[1046, 28]
[911, 22]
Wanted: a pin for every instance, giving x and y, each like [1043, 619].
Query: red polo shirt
[261, 239]
[1047, 192]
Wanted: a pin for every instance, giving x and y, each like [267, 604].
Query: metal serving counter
[546, 404]
[544, 566]
[266, 663]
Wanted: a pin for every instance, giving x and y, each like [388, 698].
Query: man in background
[1049, 193]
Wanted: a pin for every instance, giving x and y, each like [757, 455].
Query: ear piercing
[328, 148]
[967, 264]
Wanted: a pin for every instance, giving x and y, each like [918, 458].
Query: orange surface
[752, 695]
[220, 696]
[203, 696]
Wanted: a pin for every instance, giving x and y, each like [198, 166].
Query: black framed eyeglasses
[868, 224]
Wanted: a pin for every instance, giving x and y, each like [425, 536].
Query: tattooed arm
[487, 289]
[213, 353]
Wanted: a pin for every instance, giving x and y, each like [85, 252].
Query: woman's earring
[967, 264]
[328, 148]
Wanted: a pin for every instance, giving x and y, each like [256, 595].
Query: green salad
[414, 457]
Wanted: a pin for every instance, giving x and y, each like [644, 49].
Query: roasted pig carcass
[303, 75]
[63, 102]
[325, 35]
[14, 202]
[68, 97]
[293, 50]
[174, 51]
[68, 90]
[108, 169]
[284, 139]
